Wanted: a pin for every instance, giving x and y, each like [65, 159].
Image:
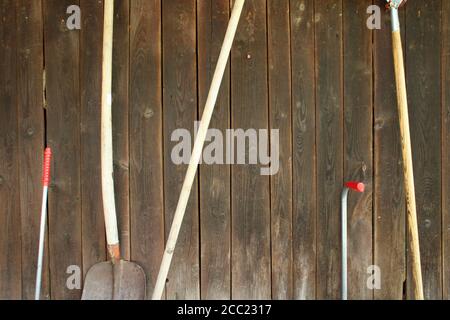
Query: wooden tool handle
[109, 206]
[198, 148]
[407, 164]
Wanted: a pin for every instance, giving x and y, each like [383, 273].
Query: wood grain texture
[10, 219]
[251, 264]
[215, 205]
[30, 63]
[63, 132]
[146, 169]
[329, 137]
[303, 149]
[93, 223]
[446, 146]
[300, 66]
[180, 112]
[423, 65]
[120, 120]
[389, 203]
[279, 67]
[358, 155]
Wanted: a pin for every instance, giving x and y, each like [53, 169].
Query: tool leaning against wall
[358, 187]
[402, 98]
[45, 184]
[198, 147]
[116, 279]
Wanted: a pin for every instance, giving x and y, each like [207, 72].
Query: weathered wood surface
[330, 145]
[304, 167]
[423, 63]
[180, 112]
[279, 69]
[311, 69]
[30, 98]
[10, 222]
[215, 206]
[62, 70]
[93, 223]
[120, 122]
[146, 151]
[446, 147]
[251, 260]
[358, 147]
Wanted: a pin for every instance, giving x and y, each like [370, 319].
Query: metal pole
[45, 183]
[359, 187]
[344, 199]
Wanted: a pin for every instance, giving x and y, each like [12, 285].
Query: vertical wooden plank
[120, 119]
[215, 205]
[30, 64]
[63, 132]
[329, 137]
[93, 225]
[180, 111]
[446, 146]
[389, 196]
[251, 265]
[10, 240]
[279, 47]
[423, 65]
[358, 126]
[304, 149]
[146, 197]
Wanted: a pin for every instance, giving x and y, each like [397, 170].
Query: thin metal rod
[344, 198]
[37, 292]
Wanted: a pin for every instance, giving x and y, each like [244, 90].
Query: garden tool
[116, 279]
[355, 186]
[198, 148]
[45, 184]
[400, 80]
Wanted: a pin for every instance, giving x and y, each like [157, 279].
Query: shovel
[116, 279]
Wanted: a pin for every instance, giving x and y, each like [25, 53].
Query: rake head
[395, 3]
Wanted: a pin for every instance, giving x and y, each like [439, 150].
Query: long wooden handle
[198, 147]
[109, 207]
[407, 161]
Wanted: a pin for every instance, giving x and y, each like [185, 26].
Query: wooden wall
[310, 68]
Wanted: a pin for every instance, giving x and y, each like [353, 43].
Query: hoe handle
[198, 147]
[407, 156]
[109, 206]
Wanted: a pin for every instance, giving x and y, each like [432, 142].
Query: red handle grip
[46, 170]
[356, 186]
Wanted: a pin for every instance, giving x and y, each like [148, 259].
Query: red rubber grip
[46, 170]
[356, 186]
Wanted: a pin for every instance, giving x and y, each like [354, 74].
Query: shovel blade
[123, 280]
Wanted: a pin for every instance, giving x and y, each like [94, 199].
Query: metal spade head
[122, 280]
